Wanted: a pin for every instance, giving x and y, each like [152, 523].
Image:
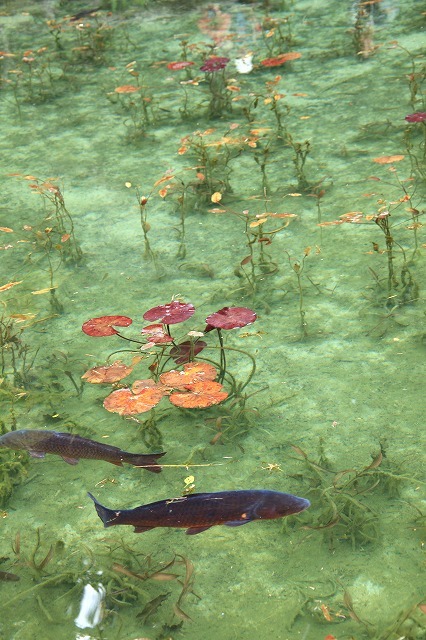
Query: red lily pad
[230, 318]
[179, 64]
[104, 326]
[182, 352]
[170, 313]
[199, 395]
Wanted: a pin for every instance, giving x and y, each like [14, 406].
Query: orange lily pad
[127, 403]
[199, 395]
[139, 385]
[192, 372]
[126, 88]
[108, 373]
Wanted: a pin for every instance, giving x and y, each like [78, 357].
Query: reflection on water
[268, 157]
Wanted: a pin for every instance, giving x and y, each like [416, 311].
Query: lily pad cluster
[194, 386]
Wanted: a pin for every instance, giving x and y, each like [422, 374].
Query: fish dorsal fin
[142, 529]
[192, 531]
[70, 460]
[36, 454]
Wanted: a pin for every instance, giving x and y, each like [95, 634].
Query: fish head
[279, 505]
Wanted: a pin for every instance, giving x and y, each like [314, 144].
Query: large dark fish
[200, 511]
[86, 13]
[72, 447]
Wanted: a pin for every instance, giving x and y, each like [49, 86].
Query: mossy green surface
[277, 204]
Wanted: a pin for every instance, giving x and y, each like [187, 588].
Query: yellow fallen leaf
[388, 159]
[40, 291]
[22, 317]
[9, 285]
[6, 229]
[216, 197]
[256, 223]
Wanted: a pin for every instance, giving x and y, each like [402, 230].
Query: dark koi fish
[72, 447]
[86, 13]
[200, 511]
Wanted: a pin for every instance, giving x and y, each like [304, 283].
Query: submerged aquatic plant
[416, 152]
[13, 470]
[15, 361]
[343, 509]
[53, 239]
[220, 97]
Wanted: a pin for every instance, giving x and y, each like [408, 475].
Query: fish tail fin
[108, 516]
[147, 461]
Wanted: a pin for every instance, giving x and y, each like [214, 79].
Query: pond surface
[242, 155]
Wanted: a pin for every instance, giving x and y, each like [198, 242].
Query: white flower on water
[244, 64]
[91, 607]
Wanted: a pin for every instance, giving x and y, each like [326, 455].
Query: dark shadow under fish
[73, 447]
[5, 576]
[200, 511]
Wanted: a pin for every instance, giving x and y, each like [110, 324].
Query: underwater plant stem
[302, 312]
[52, 580]
[253, 364]
[222, 356]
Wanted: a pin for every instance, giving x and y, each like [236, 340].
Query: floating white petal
[244, 64]
[91, 607]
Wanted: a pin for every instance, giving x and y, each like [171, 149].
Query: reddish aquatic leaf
[108, 373]
[192, 372]
[127, 403]
[418, 116]
[277, 61]
[182, 352]
[199, 395]
[230, 318]
[179, 64]
[104, 326]
[155, 333]
[170, 313]
[214, 63]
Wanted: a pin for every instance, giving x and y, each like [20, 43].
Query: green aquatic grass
[227, 212]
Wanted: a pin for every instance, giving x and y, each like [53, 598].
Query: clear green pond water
[334, 411]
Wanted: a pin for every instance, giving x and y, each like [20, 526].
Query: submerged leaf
[388, 159]
[108, 373]
[199, 395]
[104, 326]
[192, 372]
[126, 403]
[231, 318]
[170, 313]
